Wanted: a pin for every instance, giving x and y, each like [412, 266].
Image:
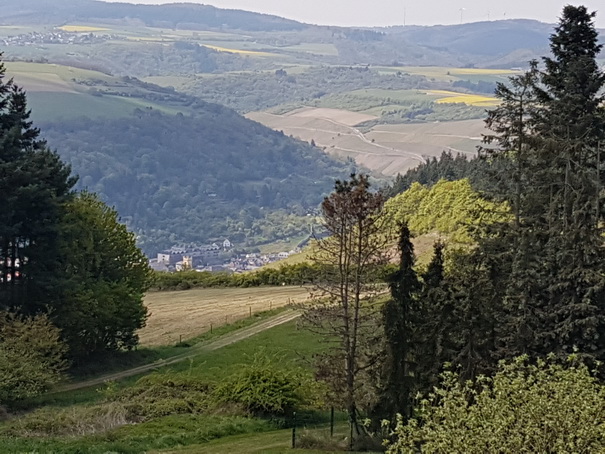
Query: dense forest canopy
[221, 179]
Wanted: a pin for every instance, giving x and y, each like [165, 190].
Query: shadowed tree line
[531, 286]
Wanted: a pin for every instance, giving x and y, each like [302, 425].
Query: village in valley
[215, 257]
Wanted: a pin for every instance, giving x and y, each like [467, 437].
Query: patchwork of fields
[385, 149]
[386, 131]
[63, 92]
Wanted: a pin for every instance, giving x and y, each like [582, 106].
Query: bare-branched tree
[345, 309]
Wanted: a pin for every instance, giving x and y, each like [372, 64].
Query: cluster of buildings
[179, 258]
[211, 257]
[54, 37]
[247, 262]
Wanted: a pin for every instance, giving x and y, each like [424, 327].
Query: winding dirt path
[220, 342]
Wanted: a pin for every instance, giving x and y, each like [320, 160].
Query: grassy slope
[272, 442]
[54, 93]
[286, 341]
[289, 340]
[142, 356]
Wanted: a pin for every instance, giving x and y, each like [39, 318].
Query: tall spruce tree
[517, 245]
[555, 293]
[401, 318]
[570, 124]
[33, 182]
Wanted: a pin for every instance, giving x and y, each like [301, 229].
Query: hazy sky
[394, 12]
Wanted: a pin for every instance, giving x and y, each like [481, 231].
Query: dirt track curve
[221, 342]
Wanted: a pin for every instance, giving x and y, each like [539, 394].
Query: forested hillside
[178, 178]
[200, 16]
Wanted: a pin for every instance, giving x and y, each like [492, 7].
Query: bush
[162, 394]
[524, 408]
[263, 388]
[320, 440]
[31, 356]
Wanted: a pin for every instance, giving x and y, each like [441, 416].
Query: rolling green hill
[62, 93]
[178, 169]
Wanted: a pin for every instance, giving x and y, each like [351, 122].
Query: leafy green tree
[33, 183]
[106, 276]
[524, 408]
[31, 356]
[452, 208]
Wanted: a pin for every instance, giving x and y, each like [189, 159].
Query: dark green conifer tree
[555, 283]
[401, 317]
[33, 184]
[516, 246]
[435, 323]
[570, 124]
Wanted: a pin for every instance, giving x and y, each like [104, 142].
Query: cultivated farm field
[189, 313]
[448, 74]
[58, 91]
[384, 149]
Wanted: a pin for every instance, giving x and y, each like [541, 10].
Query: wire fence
[219, 322]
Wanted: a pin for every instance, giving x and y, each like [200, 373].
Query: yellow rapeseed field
[451, 97]
[483, 72]
[238, 51]
[81, 28]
